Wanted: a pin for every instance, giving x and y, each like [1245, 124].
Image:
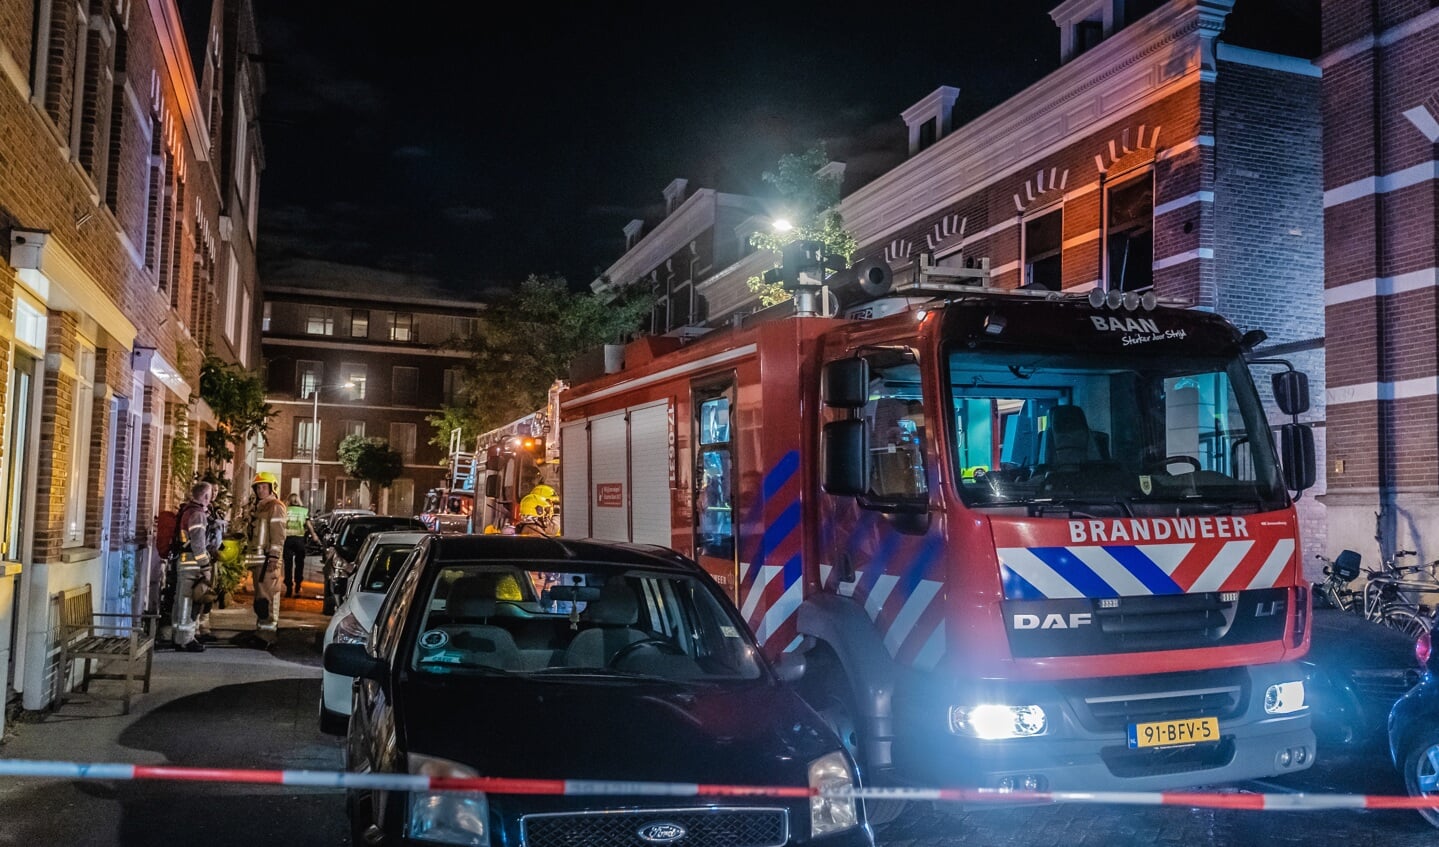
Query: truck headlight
[349, 630]
[992, 721]
[447, 817]
[1284, 698]
[831, 813]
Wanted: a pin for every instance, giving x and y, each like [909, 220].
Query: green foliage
[182, 459]
[237, 397]
[451, 418]
[809, 202]
[371, 461]
[526, 341]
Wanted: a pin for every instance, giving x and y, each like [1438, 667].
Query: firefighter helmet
[267, 478]
[544, 491]
[534, 506]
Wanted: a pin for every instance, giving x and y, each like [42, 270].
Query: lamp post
[315, 436]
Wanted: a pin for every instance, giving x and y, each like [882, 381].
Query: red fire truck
[1022, 540]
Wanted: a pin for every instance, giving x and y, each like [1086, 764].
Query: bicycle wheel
[1406, 620]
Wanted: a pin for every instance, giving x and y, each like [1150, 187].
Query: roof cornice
[181, 74]
[696, 215]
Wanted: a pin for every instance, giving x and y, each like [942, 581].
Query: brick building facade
[1381, 213]
[127, 250]
[347, 353]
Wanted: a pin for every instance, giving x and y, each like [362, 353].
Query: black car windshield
[1110, 433]
[384, 562]
[599, 620]
[354, 534]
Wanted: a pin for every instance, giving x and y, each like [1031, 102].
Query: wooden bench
[121, 646]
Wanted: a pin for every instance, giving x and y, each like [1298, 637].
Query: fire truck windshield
[1110, 434]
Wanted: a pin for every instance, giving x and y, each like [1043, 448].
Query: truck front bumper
[1086, 743]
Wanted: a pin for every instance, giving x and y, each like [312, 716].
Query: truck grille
[1111, 704]
[721, 826]
[1093, 627]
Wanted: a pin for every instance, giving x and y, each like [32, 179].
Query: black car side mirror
[353, 660]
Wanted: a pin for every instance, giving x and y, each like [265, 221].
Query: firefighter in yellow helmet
[537, 509]
[268, 540]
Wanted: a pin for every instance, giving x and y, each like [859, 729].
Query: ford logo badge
[661, 832]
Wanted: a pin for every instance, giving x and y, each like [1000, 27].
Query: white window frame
[325, 321]
[81, 423]
[409, 329]
[358, 375]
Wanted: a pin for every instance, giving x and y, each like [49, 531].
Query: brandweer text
[1158, 529]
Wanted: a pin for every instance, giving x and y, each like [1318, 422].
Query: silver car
[379, 558]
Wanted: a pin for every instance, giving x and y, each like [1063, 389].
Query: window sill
[78, 554]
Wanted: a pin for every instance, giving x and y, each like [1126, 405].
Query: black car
[1414, 731]
[1356, 669]
[349, 534]
[549, 658]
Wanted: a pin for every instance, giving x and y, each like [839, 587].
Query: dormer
[675, 195]
[1084, 23]
[930, 119]
[832, 171]
[634, 230]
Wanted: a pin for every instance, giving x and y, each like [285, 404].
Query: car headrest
[471, 597]
[616, 605]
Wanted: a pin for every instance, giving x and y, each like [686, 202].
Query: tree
[371, 461]
[809, 201]
[237, 397]
[526, 341]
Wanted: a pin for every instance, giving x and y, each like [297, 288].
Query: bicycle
[1385, 596]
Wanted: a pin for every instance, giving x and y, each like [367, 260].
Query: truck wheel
[1421, 770]
[834, 703]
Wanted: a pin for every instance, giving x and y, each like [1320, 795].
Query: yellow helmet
[534, 507]
[508, 588]
[544, 491]
[267, 478]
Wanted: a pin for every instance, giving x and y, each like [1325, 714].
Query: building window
[349, 428]
[402, 326]
[1043, 235]
[402, 440]
[356, 375]
[405, 383]
[307, 378]
[359, 323]
[265, 320]
[451, 386]
[1087, 34]
[232, 294]
[928, 132]
[1129, 234]
[321, 321]
[304, 437]
[80, 447]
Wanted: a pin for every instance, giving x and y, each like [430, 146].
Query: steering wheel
[1164, 463]
[660, 644]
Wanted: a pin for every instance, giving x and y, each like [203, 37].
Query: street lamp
[315, 436]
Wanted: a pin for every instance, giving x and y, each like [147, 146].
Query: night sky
[477, 143]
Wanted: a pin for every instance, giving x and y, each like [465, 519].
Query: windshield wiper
[486, 670]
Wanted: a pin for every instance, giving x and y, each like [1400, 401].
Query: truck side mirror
[1291, 392]
[845, 455]
[845, 384]
[1296, 455]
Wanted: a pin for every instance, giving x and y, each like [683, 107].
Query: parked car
[340, 555]
[324, 524]
[1356, 670]
[1414, 730]
[550, 658]
[379, 559]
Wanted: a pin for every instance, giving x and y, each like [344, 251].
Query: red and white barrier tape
[594, 788]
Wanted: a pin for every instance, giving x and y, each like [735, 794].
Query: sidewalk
[227, 707]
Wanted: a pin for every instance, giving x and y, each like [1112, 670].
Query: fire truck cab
[1024, 541]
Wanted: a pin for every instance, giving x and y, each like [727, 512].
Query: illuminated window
[402, 326]
[359, 323]
[320, 321]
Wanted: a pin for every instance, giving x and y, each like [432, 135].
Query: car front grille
[1111, 704]
[720, 826]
